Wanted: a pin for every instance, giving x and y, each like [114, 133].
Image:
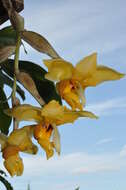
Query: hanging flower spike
[48, 118]
[72, 81]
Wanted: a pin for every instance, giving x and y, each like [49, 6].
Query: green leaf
[77, 188]
[3, 173]
[4, 79]
[7, 37]
[1, 81]
[6, 183]
[26, 80]
[6, 52]
[28, 188]
[5, 120]
[7, 42]
[39, 43]
[45, 87]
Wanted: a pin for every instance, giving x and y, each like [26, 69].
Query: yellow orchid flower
[72, 81]
[18, 141]
[51, 113]
[13, 163]
[48, 117]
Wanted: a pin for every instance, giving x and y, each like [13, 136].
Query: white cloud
[104, 141]
[123, 151]
[75, 163]
[108, 107]
[67, 166]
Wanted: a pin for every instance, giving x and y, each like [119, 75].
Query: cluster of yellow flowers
[71, 84]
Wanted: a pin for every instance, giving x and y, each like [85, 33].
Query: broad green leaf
[7, 37]
[1, 80]
[45, 87]
[5, 121]
[39, 43]
[4, 79]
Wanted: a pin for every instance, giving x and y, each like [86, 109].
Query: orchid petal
[86, 67]
[42, 135]
[56, 139]
[58, 69]
[72, 92]
[81, 95]
[14, 165]
[22, 139]
[52, 110]
[102, 74]
[73, 100]
[47, 146]
[71, 116]
[25, 112]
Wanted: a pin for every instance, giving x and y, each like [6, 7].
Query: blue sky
[93, 152]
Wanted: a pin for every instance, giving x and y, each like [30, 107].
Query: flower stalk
[16, 71]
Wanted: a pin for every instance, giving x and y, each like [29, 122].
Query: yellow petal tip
[96, 117]
[122, 75]
[95, 54]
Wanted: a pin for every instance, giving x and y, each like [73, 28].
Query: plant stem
[16, 71]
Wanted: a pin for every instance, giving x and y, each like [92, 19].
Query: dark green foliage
[4, 79]
[45, 87]
[7, 36]
[4, 181]
[5, 120]
[77, 188]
